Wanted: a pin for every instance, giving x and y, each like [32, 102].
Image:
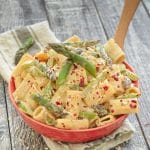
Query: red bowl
[73, 136]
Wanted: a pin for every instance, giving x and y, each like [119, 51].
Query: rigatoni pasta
[72, 124]
[114, 51]
[123, 106]
[40, 114]
[76, 84]
[105, 120]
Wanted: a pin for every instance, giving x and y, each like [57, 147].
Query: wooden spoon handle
[129, 9]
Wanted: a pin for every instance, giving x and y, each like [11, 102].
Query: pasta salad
[76, 84]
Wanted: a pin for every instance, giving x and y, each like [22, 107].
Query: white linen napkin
[11, 41]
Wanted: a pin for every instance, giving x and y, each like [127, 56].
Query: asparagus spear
[130, 74]
[130, 95]
[83, 44]
[47, 71]
[103, 54]
[50, 121]
[67, 51]
[87, 114]
[25, 107]
[47, 91]
[23, 49]
[64, 72]
[57, 111]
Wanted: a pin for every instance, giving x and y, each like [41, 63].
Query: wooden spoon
[129, 9]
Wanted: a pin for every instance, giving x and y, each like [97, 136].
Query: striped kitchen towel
[11, 41]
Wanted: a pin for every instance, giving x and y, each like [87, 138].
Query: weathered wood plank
[137, 47]
[12, 14]
[20, 12]
[74, 17]
[4, 130]
[146, 4]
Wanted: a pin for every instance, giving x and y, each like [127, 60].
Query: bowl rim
[11, 87]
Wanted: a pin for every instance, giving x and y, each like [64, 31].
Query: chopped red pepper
[133, 105]
[75, 114]
[133, 101]
[112, 110]
[58, 103]
[105, 87]
[81, 84]
[75, 66]
[97, 68]
[115, 77]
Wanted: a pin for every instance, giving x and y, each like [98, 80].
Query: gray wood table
[90, 19]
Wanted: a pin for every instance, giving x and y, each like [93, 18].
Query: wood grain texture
[126, 16]
[5, 141]
[74, 17]
[138, 54]
[14, 13]
[146, 4]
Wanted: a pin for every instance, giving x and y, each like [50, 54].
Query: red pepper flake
[105, 87]
[115, 77]
[58, 103]
[133, 105]
[63, 125]
[75, 66]
[73, 72]
[41, 87]
[112, 110]
[97, 93]
[75, 114]
[97, 68]
[81, 84]
[133, 101]
[67, 103]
